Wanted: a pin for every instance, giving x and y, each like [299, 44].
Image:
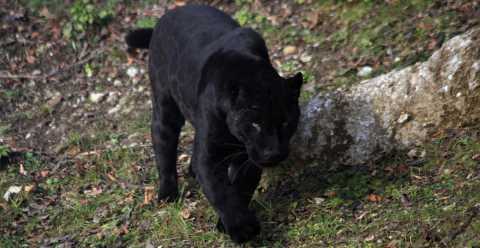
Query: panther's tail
[139, 38]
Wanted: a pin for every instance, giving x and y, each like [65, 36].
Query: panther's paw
[243, 228]
[167, 195]
[220, 227]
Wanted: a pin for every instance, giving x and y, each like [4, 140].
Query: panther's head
[263, 110]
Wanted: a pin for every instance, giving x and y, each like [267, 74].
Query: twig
[93, 55]
[7, 75]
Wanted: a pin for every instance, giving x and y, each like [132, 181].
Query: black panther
[208, 70]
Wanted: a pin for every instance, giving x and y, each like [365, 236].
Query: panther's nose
[273, 156]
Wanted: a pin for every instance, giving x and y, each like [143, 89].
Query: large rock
[400, 109]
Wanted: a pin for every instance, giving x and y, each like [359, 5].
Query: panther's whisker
[243, 166]
[227, 158]
[253, 162]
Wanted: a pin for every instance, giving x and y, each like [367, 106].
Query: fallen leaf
[44, 173]
[312, 19]
[94, 191]
[149, 193]
[111, 177]
[318, 200]
[45, 13]
[289, 50]
[22, 170]
[28, 188]
[30, 59]
[476, 157]
[374, 198]
[392, 244]
[405, 201]
[180, 2]
[185, 213]
[330, 193]
[12, 190]
[370, 238]
[361, 216]
[432, 44]
[124, 229]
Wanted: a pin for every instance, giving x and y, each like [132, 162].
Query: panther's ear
[295, 83]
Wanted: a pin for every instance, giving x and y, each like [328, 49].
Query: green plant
[244, 16]
[147, 22]
[4, 150]
[84, 14]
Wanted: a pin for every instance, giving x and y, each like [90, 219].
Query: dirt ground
[75, 116]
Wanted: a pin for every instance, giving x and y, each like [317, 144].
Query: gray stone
[365, 71]
[97, 97]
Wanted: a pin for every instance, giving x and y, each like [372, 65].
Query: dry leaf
[94, 191]
[44, 173]
[28, 188]
[73, 151]
[22, 170]
[45, 13]
[476, 157]
[330, 193]
[288, 50]
[370, 238]
[185, 213]
[180, 2]
[392, 244]
[361, 216]
[148, 194]
[312, 19]
[30, 59]
[374, 198]
[111, 177]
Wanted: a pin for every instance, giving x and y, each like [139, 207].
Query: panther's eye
[257, 127]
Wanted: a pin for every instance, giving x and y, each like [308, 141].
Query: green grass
[97, 199]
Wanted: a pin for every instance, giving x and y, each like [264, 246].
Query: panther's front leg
[227, 199]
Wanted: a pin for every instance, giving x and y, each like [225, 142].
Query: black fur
[208, 70]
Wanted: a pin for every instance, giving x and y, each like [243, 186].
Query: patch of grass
[146, 22]
[86, 14]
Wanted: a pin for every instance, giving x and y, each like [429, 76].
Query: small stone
[112, 97]
[412, 153]
[365, 71]
[184, 158]
[403, 118]
[114, 109]
[54, 101]
[12, 190]
[305, 58]
[117, 83]
[423, 154]
[96, 97]
[445, 89]
[289, 50]
[318, 200]
[132, 71]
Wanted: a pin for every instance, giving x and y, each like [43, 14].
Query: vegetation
[87, 178]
